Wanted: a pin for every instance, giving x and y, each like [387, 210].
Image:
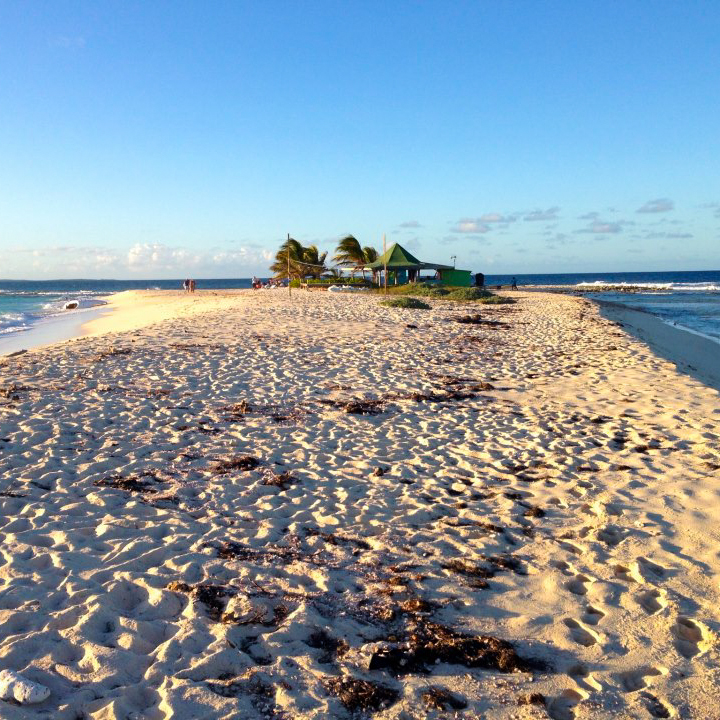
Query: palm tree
[314, 262]
[371, 255]
[349, 254]
[280, 266]
[304, 261]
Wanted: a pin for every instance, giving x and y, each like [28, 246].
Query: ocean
[24, 304]
[690, 300]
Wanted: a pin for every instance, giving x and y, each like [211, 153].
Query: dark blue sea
[687, 299]
[690, 300]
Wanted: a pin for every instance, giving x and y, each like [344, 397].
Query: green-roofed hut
[404, 267]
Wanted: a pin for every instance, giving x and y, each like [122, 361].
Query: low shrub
[474, 294]
[410, 303]
[418, 290]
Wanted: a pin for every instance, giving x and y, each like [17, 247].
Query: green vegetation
[473, 294]
[418, 290]
[409, 303]
[463, 294]
[304, 261]
[350, 254]
[493, 299]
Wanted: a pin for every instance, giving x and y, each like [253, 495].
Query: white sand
[616, 585]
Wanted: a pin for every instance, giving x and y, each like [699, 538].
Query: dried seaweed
[361, 695]
[477, 320]
[281, 480]
[427, 643]
[111, 352]
[332, 647]
[439, 698]
[335, 539]
[210, 595]
[356, 406]
[242, 463]
[132, 483]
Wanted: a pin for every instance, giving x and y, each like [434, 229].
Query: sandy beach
[243, 505]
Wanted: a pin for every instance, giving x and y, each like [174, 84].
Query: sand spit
[319, 508]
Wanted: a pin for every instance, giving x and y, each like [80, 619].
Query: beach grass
[409, 303]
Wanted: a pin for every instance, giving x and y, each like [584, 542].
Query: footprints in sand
[656, 707]
[639, 679]
[580, 584]
[691, 637]
[562, 707]
[628, 574]
[592, 615]
[652, 601]
[580, 633]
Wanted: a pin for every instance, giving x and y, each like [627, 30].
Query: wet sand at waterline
[244, 505]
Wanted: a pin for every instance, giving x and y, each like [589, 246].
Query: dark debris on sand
[426, 643]
[477, 320]
[361, 695]
[242, 463]
[210, 595]
[281, 480]
[439, 698]
[335, 539]
[331, 646]
[131, 483]
[111, 352]
[356, 406]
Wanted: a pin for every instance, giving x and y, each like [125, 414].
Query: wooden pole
[288, 259]
[385, 257]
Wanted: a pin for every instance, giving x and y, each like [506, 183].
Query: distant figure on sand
[192, 286]
[186, 285]
[514, 284]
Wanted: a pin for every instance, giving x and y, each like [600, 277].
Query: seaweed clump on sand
[439, 698]
[132, 483]
[361, 695]
[209, 595]
[477, 320]
[356, 406]
[427, 643]
[281, 480]
[332, 647]
[243, 463]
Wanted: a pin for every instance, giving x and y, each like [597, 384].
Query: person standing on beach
[514, 284]
[186, 285]
[192, 286]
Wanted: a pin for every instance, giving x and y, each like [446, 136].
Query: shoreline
[691, 352]
[50, 331]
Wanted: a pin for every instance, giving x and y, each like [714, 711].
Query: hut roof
[396, 258]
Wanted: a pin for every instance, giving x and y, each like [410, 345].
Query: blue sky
[172, 138]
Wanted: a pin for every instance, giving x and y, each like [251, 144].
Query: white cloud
[494, 217]
[549, 214]
[657, 206]
[410, 224]
[147, 260]
[598, 227]
[470, 226]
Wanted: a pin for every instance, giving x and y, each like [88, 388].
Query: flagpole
[288, 264]
[385, 261]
